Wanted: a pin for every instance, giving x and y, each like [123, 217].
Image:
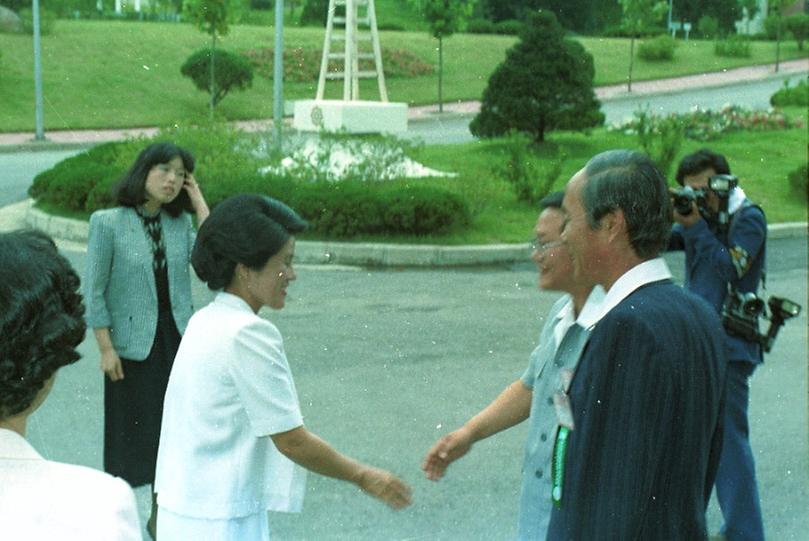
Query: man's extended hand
[446, 450]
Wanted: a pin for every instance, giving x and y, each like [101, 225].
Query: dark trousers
[736, 486]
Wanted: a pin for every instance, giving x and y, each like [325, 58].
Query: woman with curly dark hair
[40, 326]
[138, 292]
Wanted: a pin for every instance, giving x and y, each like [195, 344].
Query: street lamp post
[38, 108]
[278, 76]
[671, 5]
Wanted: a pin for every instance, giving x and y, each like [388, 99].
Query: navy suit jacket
[647, 399]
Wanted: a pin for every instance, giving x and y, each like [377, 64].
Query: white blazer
[42, 500]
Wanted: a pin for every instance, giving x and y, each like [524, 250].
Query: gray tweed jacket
[119, 287]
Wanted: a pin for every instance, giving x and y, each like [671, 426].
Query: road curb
[364, 254]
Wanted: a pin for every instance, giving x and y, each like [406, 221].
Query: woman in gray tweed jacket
[138, 295]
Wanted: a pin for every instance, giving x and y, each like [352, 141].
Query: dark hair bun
[247, 229]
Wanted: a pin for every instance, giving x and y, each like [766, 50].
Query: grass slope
[126, 74]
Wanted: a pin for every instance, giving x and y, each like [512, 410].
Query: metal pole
[38, 108]
[671, 2]
[278, 76]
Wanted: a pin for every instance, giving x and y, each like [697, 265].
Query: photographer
[724, 235]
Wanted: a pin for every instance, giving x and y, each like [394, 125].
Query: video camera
[741, 312]
[721, 185]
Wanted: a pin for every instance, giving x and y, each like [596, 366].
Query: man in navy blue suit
[640, 431]
[717, 258]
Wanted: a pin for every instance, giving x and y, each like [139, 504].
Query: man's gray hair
[629, 181]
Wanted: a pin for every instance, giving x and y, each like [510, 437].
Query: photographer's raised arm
[746, 238]
[311, 452]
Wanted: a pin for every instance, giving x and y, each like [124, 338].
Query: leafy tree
[578, 15]
[314, 13]
[750, 8]
[545, 83]
[798, 24]
[727, 12]
[776, 7]
[233, 71]
[637, 16]
[212, 17]
[445, 17]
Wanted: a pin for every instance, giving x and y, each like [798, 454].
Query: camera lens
[751, 304]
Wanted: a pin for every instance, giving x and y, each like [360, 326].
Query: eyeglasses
[541, 247]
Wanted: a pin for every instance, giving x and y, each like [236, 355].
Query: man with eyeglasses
[531, 396]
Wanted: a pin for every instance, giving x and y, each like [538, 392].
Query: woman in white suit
[40, 326]
[233, 438]
[138, 291]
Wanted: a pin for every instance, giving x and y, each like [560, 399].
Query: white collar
[736, 199]
[647, 272]
[233, 301]
[14, 446]
[589, 315]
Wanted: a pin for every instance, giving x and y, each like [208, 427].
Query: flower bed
[303, 64]
[708, 125]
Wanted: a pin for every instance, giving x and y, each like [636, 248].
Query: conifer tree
[544, 84]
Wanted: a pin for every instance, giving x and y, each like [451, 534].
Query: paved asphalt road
[755, 95]
[387, 360]
[19, 169]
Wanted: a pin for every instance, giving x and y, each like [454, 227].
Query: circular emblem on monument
[317, 116]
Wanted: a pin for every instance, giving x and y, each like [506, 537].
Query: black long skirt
[133, 408]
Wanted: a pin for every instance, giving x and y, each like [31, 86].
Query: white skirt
[174, 527]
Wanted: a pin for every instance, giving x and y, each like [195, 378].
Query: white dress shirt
[41, 500]
[229, 390]
[647, 272]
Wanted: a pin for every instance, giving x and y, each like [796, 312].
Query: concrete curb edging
[370, 254]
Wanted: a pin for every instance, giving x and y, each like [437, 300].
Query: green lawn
[126, 74]
[762, 160]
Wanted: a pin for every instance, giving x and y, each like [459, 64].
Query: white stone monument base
[351, 116]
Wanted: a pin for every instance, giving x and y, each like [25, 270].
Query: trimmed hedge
[791, 95]
[735, 46]
[657, 49]
[227, 164]
[799, 180]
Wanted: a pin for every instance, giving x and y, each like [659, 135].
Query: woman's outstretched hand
[385, 486]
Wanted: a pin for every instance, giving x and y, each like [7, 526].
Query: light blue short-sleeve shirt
[560, 346]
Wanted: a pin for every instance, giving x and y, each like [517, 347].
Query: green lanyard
[558, 464]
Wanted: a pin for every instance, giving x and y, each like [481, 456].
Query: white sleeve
[263, 380]
[125, 525]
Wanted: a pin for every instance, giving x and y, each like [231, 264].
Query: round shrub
[509, 27]
[791, 95]
[314, 13]
[799, 180]
[47, 19]
[227, 164]
[798, 26]
[231, 71]
[708, 27]
[341, 210]
[70, 183]
[657, 49]
[480, 26]
[391, 27]
[735, 46]
[421, 210]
